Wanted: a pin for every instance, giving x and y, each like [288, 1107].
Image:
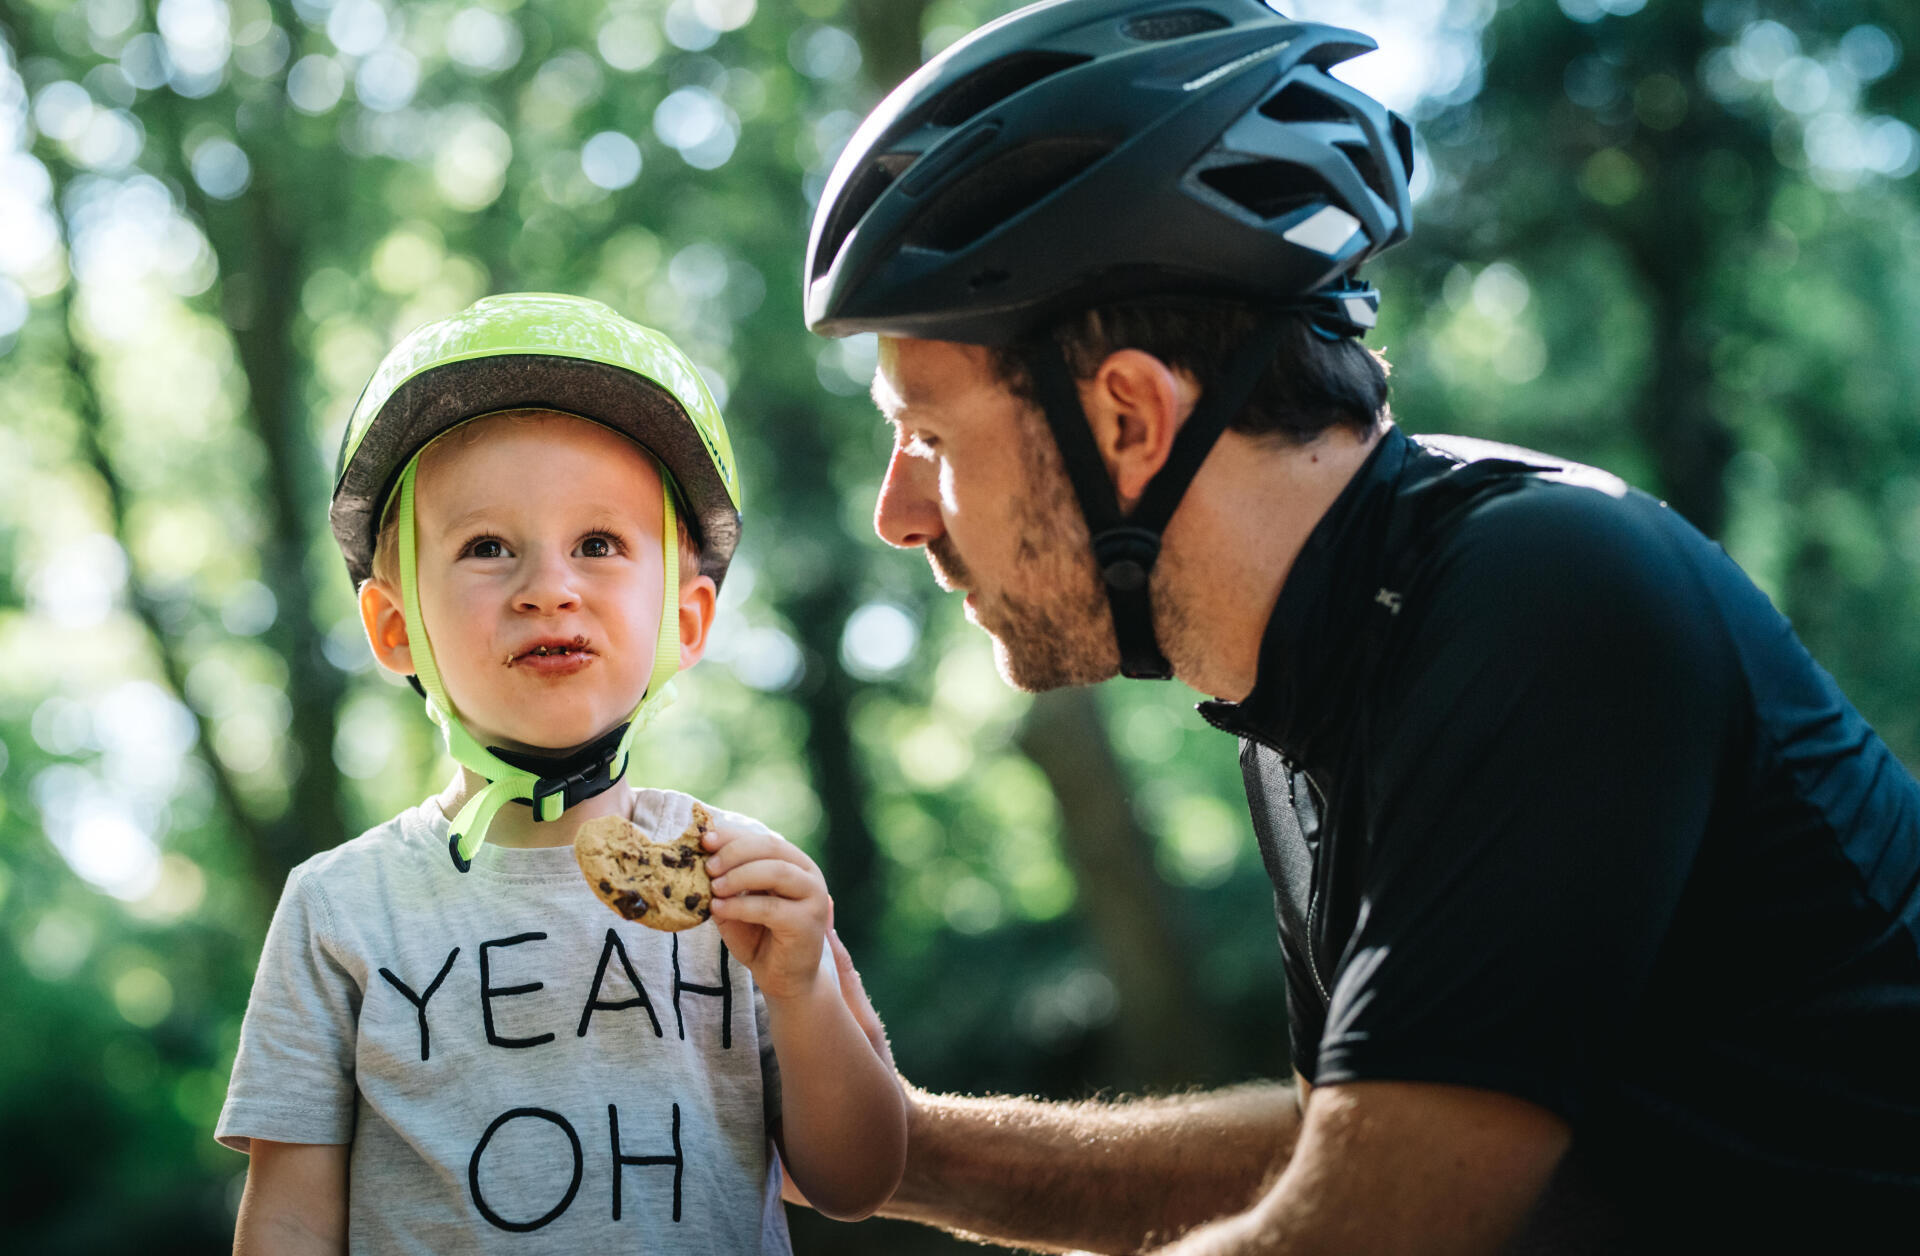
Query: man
[1599, 905]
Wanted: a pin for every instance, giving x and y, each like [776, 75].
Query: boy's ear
[386, 624]
[698, 598]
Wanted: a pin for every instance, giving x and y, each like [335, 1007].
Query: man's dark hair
[1312, 383]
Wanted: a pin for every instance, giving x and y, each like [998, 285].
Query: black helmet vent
[993, 83]
[1152, 28]
[1268, 188]
[1297, 102]
[1001, 188]
[859, 198]
[1362, 158]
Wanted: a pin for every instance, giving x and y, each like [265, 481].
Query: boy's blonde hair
[386, 546]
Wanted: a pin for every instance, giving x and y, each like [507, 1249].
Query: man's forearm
[1095, 1176]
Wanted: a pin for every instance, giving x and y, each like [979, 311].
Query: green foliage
[1643, 243]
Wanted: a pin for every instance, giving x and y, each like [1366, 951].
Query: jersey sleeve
[1542, 762]
[293, 1078]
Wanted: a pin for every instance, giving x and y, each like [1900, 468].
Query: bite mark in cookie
[663, 885]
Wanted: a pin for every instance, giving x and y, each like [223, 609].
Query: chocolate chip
[693, 902]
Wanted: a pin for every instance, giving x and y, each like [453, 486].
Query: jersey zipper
[1313, 891]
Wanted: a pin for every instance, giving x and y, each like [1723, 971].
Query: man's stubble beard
[1062, 635]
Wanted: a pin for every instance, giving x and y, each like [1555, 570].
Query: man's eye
[921, 444]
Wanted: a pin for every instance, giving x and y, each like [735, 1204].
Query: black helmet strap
[1126, 546]
[583, 773]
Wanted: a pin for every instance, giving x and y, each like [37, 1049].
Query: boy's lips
[553, 656]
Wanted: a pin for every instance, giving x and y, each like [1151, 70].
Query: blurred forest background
[1678, 240]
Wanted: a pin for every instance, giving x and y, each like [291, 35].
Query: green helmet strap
[574, 781]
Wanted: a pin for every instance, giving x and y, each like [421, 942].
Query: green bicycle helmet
[550, 352]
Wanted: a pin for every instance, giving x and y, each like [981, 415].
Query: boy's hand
[772, 906]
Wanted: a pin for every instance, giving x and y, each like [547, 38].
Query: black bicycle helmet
[1080, 152]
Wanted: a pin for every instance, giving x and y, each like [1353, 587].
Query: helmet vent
[1268, 188]
[859, 198]
[1153, 28]
[1298, 102]
[994, 82]
[1362, 158]
[1001, 188]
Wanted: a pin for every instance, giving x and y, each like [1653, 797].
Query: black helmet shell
[1081, 151]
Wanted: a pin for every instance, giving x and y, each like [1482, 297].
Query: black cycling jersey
[1555, 804]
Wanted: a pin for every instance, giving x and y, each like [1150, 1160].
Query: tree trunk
[889, 35]
[1166, 1035]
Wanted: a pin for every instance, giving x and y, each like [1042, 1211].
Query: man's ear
[698, 598]
[1135, 404]
[386, 624]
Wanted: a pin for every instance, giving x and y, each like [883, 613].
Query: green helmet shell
[536, 350]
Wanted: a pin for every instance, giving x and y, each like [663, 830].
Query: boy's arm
[843, 1120]
[295, 1203]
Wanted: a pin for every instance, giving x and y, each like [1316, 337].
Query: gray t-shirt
[517, 1068]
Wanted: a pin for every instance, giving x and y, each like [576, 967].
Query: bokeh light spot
[878, 640]
[610, 160]
[315, 84]
[143, 996]
[221, 169]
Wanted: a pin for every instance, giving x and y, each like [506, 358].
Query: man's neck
[1234, 540]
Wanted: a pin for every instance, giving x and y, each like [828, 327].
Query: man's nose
[547, 584]
[908, 512]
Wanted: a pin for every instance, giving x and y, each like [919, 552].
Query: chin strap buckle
[1126, 557]
[559, 784]
[553, 795]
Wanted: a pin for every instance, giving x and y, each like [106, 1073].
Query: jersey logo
[1389, 599]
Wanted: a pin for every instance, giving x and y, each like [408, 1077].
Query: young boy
[452, 1045]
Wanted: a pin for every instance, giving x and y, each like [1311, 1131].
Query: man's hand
[772, 906]
[1400, 1169]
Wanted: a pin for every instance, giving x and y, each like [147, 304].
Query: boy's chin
[548, 743]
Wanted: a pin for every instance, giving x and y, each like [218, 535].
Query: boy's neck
[515, 826]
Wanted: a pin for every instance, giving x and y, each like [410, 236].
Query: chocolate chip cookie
[661, 884]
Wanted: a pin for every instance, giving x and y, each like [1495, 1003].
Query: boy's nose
[548, 587]
[908, 512]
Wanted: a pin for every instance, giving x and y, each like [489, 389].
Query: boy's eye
[601, 545]
[485, 547]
